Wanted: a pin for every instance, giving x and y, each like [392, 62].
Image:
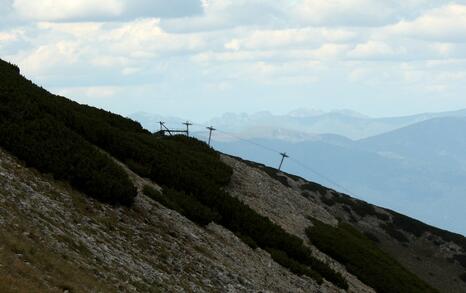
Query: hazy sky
[198, 59]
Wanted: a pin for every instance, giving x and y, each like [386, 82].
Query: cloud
[237, 49]
[92, 92]
[290, 38]
[227, 14]
[101, 50]
[89, 10]
[7, 37]
[67, 10]
[342, 12]
[373, 49]
[446, 23]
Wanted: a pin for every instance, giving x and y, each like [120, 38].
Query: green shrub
[361, 208]
[364, 259]
[371, 237]
[282, 258]
[418, 228]
[185, 204]
[462, 277]
[155, 195]
[328, 200]
[391, 230]
[248, 240]
[32, 134]
[461, 259]
[315, 187]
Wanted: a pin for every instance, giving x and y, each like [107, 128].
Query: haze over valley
[413, 164]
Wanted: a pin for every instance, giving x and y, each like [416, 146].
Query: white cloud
[69, 9]
[373, 49]
[290, 38]
[85, 10]
[94, 92]
[238, 47]
[343, 12]
[227, 14]
[50, 57]
[446, 23]
[444, 49]
[7, 37]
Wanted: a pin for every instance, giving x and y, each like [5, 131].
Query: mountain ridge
[187, 209]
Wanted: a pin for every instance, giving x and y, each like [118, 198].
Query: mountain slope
[194, 220]
[435, 255]
[54, 238]
[414, 170]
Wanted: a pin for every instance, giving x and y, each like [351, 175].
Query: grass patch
[28, 266]
[364, 259]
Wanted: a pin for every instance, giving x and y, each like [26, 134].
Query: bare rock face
[286, 207]
[58, 240]
[55, 239]
[283, 205]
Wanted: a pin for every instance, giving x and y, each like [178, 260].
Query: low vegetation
[463, 277]
[393, 231]
[31, 133]
[418, 229]
[315, 187]
[461, 259]
[364, 259]
[69, 140]
[76, 143]
[254, 229]
[28, 266]
[183, 203]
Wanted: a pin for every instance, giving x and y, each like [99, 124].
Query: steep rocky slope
[92, 202]
[437, 256]
[55, 239]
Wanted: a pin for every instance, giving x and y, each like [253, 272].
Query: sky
[200, 58]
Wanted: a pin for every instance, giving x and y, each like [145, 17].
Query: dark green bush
[418, 228]
[361, 208]
[248, 240]
[328, 201]
[190, 207]
[182, 203]
[391, 230]
[461, 259]
[371, 237]
[462, 277]
[155, 195]
[294, 266]
[32, 134]
[315, 187]
[364, 259]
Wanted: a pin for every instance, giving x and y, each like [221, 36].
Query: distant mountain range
[414, 164]
[301, 124]
[345, 123]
